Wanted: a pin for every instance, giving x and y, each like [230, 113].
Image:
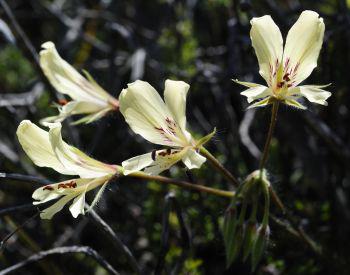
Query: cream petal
[303, 45]
[49, 212]
[72, 158]
[53, 191]
[67, 80]
[36, 143]
[163, 160]
[175, 94]
[313, 93]
[147, 115]
[140, 125]
[268, 45]
[153, 163]
[257, 92]
[77, 207]
[137, 163]
[192, 159]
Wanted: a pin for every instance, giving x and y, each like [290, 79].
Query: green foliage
[15, 70]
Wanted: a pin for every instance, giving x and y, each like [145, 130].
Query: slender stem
[184, 184]
[218, 166]
[277, 200]
[269, 135]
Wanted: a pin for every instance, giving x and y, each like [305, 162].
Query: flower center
[172, 133]
[282, 77]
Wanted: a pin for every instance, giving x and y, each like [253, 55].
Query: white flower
[284, 69]
[47, 149]
[160, 123]
[88, 97]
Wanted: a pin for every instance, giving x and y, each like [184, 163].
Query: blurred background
[169, 230]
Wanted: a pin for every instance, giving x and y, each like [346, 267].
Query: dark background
[205, 43]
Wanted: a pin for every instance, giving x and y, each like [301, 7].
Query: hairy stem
[269, 135]
[184, 184]
[218, 166]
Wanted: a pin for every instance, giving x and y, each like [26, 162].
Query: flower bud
[249, 237]
[259, 245]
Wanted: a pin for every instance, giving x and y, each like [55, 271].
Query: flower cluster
[47, 149]
[163, 122]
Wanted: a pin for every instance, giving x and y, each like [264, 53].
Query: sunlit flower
[47, 149]
[160, 123]
[284, 69]
[89, 98]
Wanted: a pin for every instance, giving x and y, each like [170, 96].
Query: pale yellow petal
[175, 94]
[268, 45]
[36, 143]
[153, 163]
[303, 45]
[193, 160]
[49, 212]
[313, 93]
[75, 160]
[77, 207]
[67, 80]
[137, 163]
[147, 115]
[256, 93]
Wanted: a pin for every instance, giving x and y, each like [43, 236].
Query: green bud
[249, 238]
[229, 227]
[259, 245]
[233, 252]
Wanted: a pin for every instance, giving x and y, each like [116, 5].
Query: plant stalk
[184, 184]
[265, 154]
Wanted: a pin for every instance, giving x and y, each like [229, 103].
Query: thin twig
[116, 241]
[8, 236]
[62, 250]
[26, 178]
[298, 233]
[23, 207]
